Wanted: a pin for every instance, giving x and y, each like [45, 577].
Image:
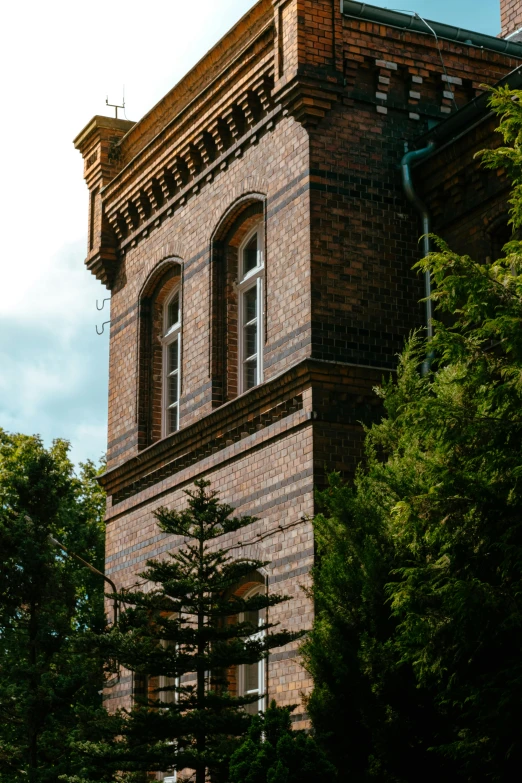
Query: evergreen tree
[180, 639]
[47, 602]
[416, 652]
[274, 753]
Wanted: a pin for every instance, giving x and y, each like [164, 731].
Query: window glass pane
[173, 312]
[173, 356]
[252, 617]
[167, 697]
[250, 304]
[250, 374]
[251, 340]
[250, 255]
[252, 709]
[173, 419]
[173, 389]
[251, 678]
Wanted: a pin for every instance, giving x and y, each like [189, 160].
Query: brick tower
[258, 246]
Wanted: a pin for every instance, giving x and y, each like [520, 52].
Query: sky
[59, 60]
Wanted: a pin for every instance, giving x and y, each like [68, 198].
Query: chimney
[511, 19]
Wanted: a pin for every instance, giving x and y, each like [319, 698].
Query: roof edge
[473, 112]
[416, 24]
[194, 81]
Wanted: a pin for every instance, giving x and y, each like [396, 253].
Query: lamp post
[94, 570]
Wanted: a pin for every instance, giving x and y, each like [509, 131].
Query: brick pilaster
[98, 144]
[308, 57]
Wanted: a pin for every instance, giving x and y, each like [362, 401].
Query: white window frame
[255, 277]
[259, 588]
[169, 335]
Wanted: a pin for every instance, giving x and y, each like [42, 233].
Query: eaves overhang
[415, 24]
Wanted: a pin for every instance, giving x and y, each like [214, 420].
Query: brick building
[258, 244]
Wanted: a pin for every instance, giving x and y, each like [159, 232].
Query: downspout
[408, 159]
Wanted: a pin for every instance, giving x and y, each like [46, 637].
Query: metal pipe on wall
[407, 182]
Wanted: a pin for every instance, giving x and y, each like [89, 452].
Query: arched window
[251, 309]
[160, 354]
[238, 298]
[171, 340]
[251, 676]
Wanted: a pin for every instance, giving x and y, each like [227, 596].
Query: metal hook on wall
[103, 303]
[102, 328]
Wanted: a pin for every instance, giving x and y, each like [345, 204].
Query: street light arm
[91, 568]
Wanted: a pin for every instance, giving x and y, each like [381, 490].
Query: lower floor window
[251, 680]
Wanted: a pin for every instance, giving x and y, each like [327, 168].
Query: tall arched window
[237, 315]
[160, 353]
[251, 310]
[171, 341]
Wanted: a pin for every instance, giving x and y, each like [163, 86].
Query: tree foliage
[47, 602]
[273, 753]
[184, 626]
[416, 652]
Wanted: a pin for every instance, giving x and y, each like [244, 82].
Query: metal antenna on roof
[116, 106]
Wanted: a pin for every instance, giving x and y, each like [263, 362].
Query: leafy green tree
[273, 753]
[416, 652]
[180, 638]
[47, 602]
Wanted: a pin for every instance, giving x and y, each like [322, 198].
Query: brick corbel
[154, 193]
[180, 172]
[192, 158]
[131, 216]
[235, 120]
[206, 147]
[167, 184]
[220, 132]
[251, 107]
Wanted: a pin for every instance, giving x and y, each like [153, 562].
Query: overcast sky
[58, 62]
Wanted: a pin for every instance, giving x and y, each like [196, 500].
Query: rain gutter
[413, 23]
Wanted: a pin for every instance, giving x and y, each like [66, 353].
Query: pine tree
[48, 601]
[417, 647]
[180, 639]
[273, 753]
